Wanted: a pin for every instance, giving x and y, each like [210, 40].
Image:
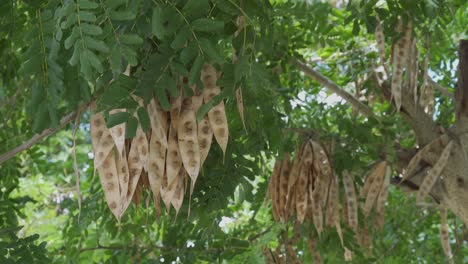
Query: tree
[367, 80]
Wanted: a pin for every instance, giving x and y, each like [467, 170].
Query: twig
[333, 87]
[38, 137]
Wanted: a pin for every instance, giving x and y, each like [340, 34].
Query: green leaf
[195, 71]
[93, 60]
[157, 23]
[76, 53]
[115, 59]
[210, 50]
[117, 119]
[122, 15]
[203, 110]
[181, 38]
[71, 20]
[170, 85]
[91, 29]
[160, 93]
[86, 16]
[41, 118]
[131, 39]
[144, 119]
[53, 116]
[196, 8]
[189, 53]
[86, 4]
[207, 25]
[94, 44]
[130, 129]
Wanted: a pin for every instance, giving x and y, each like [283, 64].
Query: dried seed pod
[176, 104]
[135, 167]
[317, 214]
[156, 163]
[188, 141]
[444, 235]
[348, 254]
[142, 145]
[294, 175]
[283, 185]
[312, 243]
[240, 106]
[168, 191]
[414, 162]
[412, 70]
[158, 120]
[374, 189]
[380, 38]
[102, 142]
[217, 115]
[383, 193]
[178, 197]
[197, 99]
[123, 174]
[110, 184]
[377, 170]
[351, 201]
[173, 159]
[301, 190]
[275, 197]
[426, 97]
[205, 137]
[118, 134]
[332, 208]
[434, 173]
[400, 55]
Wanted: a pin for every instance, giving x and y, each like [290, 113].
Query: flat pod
[178, 197]
[168, 191]
[188, 141]
[283, 185]
[158, 121]
[317, 214]
[301, 193]
[122, 170]
[176, 105]
[383, 193]
[332, 209]
[156, 163]
[217, 114]
[142, 145]
[444, 234]
[351, 201]
[118, 133]
[135, 167]
[110, 184]
[97, 127]
[274, 191]
[205, 137]
[101, 139]
[375, 188]
[173, 159]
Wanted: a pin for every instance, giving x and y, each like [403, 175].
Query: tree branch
[441, 89]
[333, 87]
[38, 137]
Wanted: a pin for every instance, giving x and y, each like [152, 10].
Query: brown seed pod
[110, 184]
[383, 193]
[444, 235]
[240, 106]
[348, 254]
[351, 201]
[217, 114]
[173, 159]
[380, 38]
[188, 141]
[312, 244]
[400, 54]
[283, 186]
[178, 197]
[332, 208]
[118, 134]
[205, 137]
[156, 163]
[158, 120]
[176, 104]
[379, 175]
[426, 96]
[317, 214]
[301, 190]
[434, 173]
[168, 191]
[412, 70]
[123, 174]
[142, 145]
[274, 192]
[101, 138]
[135, 167]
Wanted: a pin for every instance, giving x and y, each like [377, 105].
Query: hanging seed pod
[426, 97]
[375, 173]
[317, 214]
[176, 105]
[301, 190]
[97, 127]
[158, 120]
[332, 209]
[380, 38]
[110, 184]
[434, 173]
[240, 106]
[205, 137]
[104, 144]
[312, 244]
[375, 188]
[283, 185]
[135, 167]
[173, 159]
[178, 197]
[156, 163]
[444, 235]
[123, 175]
[412, 70]
[188, 141]
[400, 54]
[351, 201]
[168, 191]
[118, 134]
[383, 193]
[142, 145]
[275, 197]
[217, 115]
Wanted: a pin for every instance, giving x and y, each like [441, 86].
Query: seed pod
[426, 97]
[283, 185]
[380, 38]
[351, 201]
[178, 197]
[110, 184]
[101, 138]
[156, 163]
[205, 137]
[176, 104]
[168, 191]
[135, 167]
[294, 175]
[301, 190]
[444, 235]
[317, 214]
[414, 162]
[412, 70]
[240, 106]
[197, 99]
[173, 159]
[275, 187]
[188, 141]
[378, 175]
[339, 232]
[123, 175]
[400, 55]
[383, 193]
[158, 120]
[434, 173]
[217, 114]
[118, 134]
[312, 243]
[348, 254]
[142, 145]
[332, 209]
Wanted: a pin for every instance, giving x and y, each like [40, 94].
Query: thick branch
[38, 137]
[333, 87]
[461, 93]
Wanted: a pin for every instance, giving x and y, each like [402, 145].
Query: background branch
[333, 87]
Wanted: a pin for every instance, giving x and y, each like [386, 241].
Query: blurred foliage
[56, 55]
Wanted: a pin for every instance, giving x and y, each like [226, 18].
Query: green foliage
[57, 55]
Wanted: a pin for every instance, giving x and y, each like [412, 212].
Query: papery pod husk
[118, 134]
[124, 177]
[314, 252]
[173, 158]
[283, 185]
[444, 235]
[375, 188]
[275, 197]
[332, 207]
[178, 197]
[110, 184]
[383, 193]
[301, 189]
[105, 143]
[351, 201]
[168, 191]
[156, 164]
[317, 214]
[380, 39]
[135, 167]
